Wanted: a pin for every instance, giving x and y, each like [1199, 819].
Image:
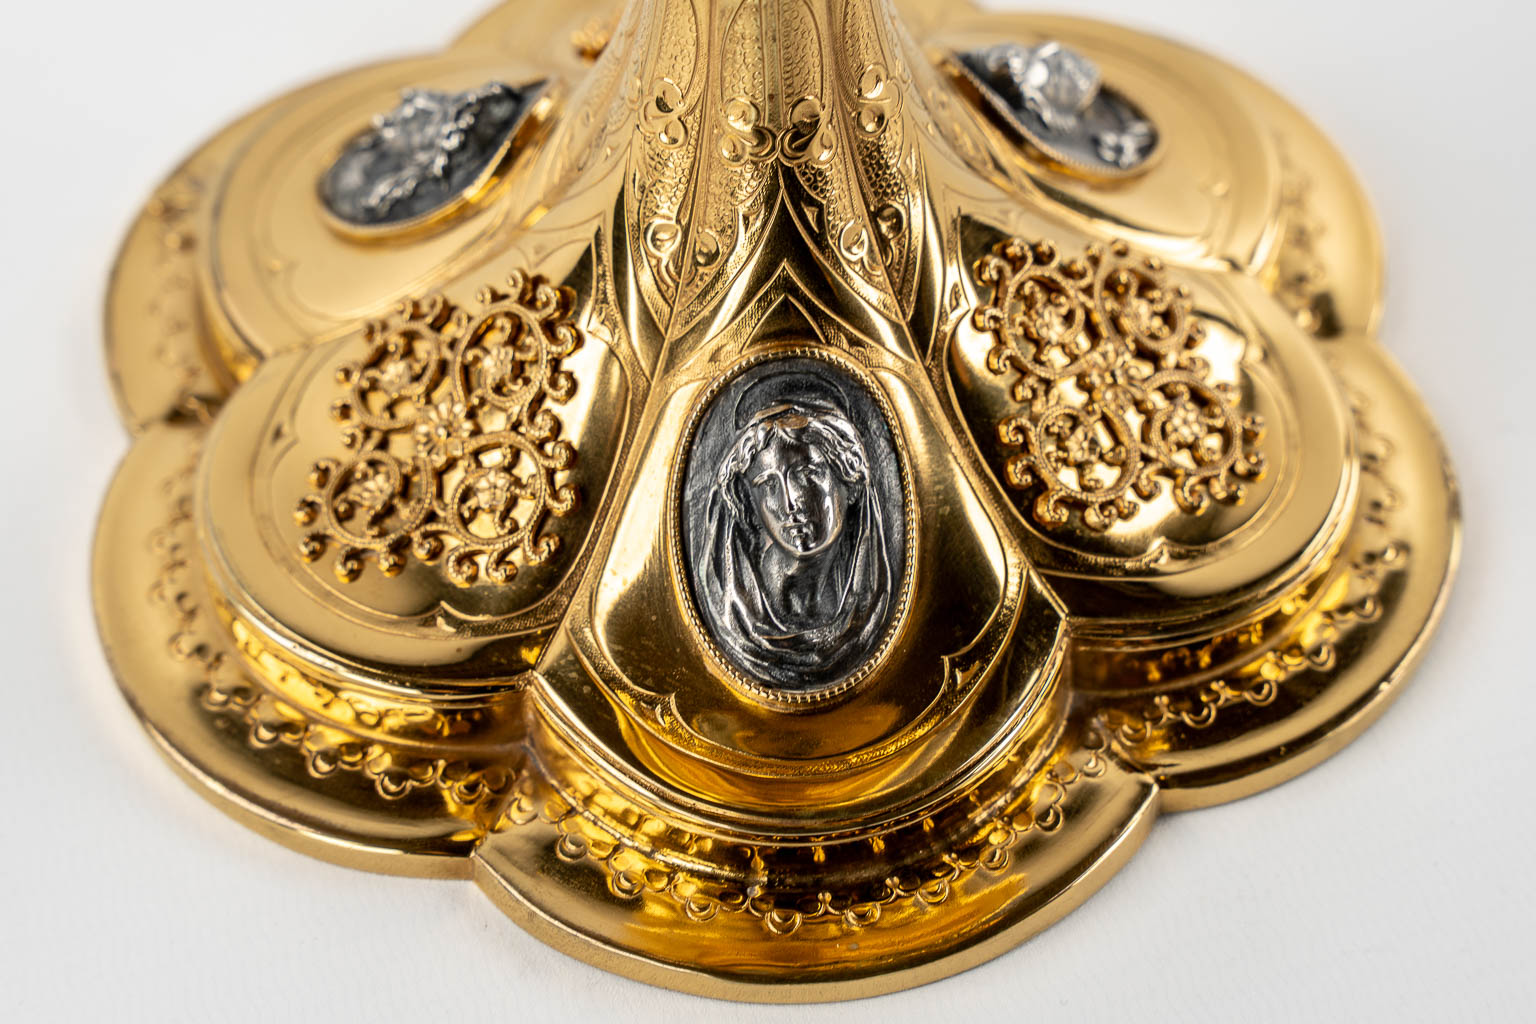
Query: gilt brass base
[430, 557]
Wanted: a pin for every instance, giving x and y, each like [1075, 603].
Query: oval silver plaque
[794, 524]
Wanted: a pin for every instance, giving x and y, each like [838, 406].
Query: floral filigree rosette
[1113, 399]
[458, 457]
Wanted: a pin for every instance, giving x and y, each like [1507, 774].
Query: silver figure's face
[799, 496]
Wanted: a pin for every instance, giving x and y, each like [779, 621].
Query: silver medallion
[1054, 98]
[794, 524]
[427, 152]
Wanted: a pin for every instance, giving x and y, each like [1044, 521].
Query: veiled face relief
[800, 497]
[794, 524]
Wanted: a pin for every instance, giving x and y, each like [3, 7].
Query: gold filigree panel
[458, 453]
[1112, 402]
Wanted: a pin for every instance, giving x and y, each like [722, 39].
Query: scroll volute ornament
[778, 527]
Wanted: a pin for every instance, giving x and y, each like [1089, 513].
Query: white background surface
[1394, 882]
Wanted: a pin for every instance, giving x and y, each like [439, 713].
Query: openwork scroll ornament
[457, 452]
[1113, 399]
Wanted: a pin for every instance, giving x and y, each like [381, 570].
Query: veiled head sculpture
[794, 525]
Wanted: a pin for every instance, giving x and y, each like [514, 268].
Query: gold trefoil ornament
[781, 493]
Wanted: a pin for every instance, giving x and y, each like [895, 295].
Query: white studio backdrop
[1391, 883]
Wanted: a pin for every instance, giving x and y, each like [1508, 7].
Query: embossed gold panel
[772, 513]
